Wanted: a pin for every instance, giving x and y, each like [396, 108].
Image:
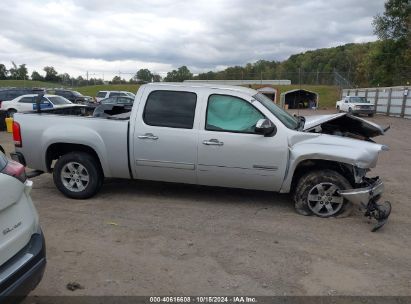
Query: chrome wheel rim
[75, 177]
[324, 200]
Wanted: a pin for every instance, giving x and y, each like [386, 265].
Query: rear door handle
[213, 142]
[148, 136]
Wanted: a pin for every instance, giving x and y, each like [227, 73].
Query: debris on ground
[72, 286]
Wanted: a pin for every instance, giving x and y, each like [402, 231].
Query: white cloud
[107, 36]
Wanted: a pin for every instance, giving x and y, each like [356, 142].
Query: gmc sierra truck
[212, 135]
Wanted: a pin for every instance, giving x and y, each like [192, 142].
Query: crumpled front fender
[358, 153]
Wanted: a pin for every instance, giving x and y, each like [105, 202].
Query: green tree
[116, 80]
[22, 72]
[51, 74]
[395, 23]
[3, 71]
[36, 76]
[156, 78]
[144, 75]
[179, 75]
[14, 71]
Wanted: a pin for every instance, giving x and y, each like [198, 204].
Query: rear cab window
[101, 94]
[173, 109]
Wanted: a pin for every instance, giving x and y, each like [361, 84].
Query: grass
[328, 94]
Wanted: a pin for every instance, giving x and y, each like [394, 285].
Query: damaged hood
[344, 123]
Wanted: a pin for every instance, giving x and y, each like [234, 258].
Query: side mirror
[265, 127]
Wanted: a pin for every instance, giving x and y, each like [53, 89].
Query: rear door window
[172, 109]
[27, 100]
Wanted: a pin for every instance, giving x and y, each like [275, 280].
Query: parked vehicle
[209, 135]
[355, 105]
[7, 94]
[118, 100]
[73, 96]
[107, 94]
[28, 103]
[22, 246]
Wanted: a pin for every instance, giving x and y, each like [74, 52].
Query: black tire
[350, 110]
[11, 112]
[307, 183]
[371, 115]
[92, 168]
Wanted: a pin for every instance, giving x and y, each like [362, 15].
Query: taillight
[16, 170]
[17, 134]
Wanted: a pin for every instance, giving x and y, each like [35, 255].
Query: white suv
[106, 94]
[22, 246]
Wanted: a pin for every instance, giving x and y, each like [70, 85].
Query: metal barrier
[391, 101]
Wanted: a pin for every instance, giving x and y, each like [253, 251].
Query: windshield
[58, 100]
[359, 100]
[130, 94]
[287, 119]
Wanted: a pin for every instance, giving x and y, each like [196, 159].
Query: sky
[105, 37]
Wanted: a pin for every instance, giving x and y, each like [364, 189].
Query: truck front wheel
[78, 175]
[317, 193]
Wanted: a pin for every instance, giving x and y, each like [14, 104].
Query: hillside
[379, 63]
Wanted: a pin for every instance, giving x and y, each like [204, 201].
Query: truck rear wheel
[317, 193]
[78, 175]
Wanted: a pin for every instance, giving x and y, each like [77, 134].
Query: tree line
[385, 62]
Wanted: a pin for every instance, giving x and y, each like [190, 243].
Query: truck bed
[107, 136]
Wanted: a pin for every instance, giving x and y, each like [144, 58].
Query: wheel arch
[56, 150]
[309, 165]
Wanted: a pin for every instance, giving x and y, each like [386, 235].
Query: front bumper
[364, 195]
[367, 197]
[362, 111]
[23, 272]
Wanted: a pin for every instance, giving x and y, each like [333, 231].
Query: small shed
[269, 92]
[299, 99]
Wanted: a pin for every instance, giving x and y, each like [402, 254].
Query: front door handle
[213, 142]
[148, 136]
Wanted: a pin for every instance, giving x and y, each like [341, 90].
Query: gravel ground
[150, 238]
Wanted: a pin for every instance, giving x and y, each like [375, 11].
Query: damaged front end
[367, 197]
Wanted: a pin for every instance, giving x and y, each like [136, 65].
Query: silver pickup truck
[211, 135]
